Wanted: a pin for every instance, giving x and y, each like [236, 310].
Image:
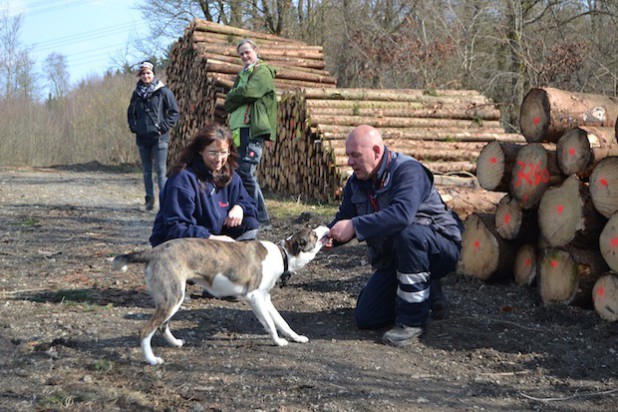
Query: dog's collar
[284, 255]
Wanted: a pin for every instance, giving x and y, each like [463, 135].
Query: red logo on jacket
[221, 204]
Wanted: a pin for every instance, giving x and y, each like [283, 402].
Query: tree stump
[535, 170]
[494, 165]
[605, 296]
[566, 215]
[547, 113]
[580, 149]
[567, 276]
[525, 270]
[608, 242]
[603, 184]
[484, 254]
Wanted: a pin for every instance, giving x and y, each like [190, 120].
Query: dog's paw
[281, 342]
[155, 360]
[177, 343]
[301, 339]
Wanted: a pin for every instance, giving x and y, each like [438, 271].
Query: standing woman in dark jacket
[252, 105]
[153, 111]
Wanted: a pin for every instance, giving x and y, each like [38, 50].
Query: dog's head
[302, 246]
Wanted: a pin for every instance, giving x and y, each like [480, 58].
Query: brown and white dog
[248, 269]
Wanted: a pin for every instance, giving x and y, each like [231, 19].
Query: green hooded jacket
[252, 102]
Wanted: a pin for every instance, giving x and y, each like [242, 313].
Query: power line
[27, 11]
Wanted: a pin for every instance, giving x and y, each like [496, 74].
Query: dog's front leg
[281, 324]
[260, 308]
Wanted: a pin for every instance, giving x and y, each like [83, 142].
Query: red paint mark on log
[553, 263]
[477, 244]
[507, 218]
[537, 120]
[604, 182]
[528, 262]
[560, 209]
[493, 160]
[614, 242]
[601, 291]
[572, 151]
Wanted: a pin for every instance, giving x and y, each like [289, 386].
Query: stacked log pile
[445, 129]
[557, 224]
[203, 65]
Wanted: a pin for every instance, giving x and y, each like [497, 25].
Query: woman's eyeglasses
[215, 154]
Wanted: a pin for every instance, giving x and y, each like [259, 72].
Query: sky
[93, 35]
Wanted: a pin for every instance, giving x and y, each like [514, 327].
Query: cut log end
[525, 270]
[573, 151]
[558, 277]
[480, 250]
[534, 116]
[560, 212]
[605, 297]
[608, 242]
[604, 186]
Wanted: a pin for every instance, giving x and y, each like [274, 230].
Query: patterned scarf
[145, 90]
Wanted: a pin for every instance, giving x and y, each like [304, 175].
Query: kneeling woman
[203, 196]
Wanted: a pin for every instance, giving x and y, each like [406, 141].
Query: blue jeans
[421, 256]
[154, 156]
[250, 154]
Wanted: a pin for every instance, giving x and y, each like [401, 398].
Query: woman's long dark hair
[202, 139]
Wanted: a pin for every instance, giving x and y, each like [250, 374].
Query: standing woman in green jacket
[252, 105]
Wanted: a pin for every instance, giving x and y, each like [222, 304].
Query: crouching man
[414, 240]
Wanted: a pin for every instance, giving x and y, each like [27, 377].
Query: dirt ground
[69, 325]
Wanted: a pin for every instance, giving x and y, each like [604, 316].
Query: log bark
[404, 109]
[534, 171]
[404, 122]
[337, 132]
[603, 184]
[605, 296]
[525, 270]
[400, 95]
[567, 216]
[494, 166]
[580, 149]
[567, 276]
[484, 254]
[608, 242]
[547, 113]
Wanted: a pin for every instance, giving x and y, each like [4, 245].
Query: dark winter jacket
[256, 96]
[403, 194]
[152, 118]
[191, 207]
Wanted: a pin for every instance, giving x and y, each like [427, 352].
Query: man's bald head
[365, 148]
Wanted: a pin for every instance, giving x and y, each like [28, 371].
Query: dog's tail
[121, 261]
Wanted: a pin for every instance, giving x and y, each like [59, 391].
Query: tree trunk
[546, 114]
[604, 186]
[526, 266]
[580, 149]
[494, 165]
[566, 215]
[608, 242]
[534, 171]
[484, 254]
[568, 276]
[605, 297]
